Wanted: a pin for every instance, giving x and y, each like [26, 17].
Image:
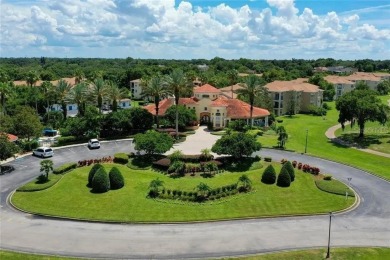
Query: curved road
[368, 225]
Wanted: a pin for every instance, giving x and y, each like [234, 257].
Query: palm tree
[32, 78]
[246, 183]
[79, 76]
[283, 136]
[79, 95]
[46, 166]
[99, 91]
[156, 88]
[233, 77]
[114, 93]
[154, 187]
[178, 84]
[202, 190]
[252, 87]
[5, 92]
[48, 92]
[62, 91]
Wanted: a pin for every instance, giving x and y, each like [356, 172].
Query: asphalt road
[367, 225]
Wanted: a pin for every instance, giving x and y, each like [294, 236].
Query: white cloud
[166, 28]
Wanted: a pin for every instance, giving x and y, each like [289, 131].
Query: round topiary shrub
[116, 179]
[290, 169]
[92, 172]
[100, 182]
[269, 175]
[284, 179]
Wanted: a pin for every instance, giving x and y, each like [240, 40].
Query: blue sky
[259, 29]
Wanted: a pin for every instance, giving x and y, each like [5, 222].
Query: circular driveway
[368, 225]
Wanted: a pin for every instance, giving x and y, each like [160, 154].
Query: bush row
[121, 158]
[303, 167]
[101, 182]
[285, 177]
[88, 162]
[65, 168]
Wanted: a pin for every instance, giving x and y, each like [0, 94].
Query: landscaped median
[74, 199]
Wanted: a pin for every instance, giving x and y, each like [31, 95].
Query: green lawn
[373, 253]
[319, 145]
[129, 204]
[358, 253]
[377, 136]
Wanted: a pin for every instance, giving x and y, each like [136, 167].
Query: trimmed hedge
[334, 186]
[92, 173]
[267, 159]
[100, 182]
[269, 175]
[36, 186]
[116, 179]
[121, 158]
[66, 139]
[65, 168]
[290, 169]
[283, 178]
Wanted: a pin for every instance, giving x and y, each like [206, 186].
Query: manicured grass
[373, 253]
[351, 253]
[36, 186]
[319, 145]
[334, 186]
[130, 204]
[376, 136]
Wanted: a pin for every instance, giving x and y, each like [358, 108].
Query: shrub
[100, 182]
[121, 158]
[65, 168]
[294, 164]
[28, 145]
[116, 179]
[177, 167]
[257, 158]
[66, 140]
[269, 175]
[283, 178]
[267, 159]
[92, 173]
[290, 169]
[328, 177]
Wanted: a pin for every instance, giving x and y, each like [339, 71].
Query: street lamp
[307, 133]
[330, 224]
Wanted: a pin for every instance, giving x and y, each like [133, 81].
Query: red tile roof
[167, 103]
[11, 138]
[207, 88]
[237, 109]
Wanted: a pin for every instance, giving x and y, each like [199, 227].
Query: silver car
[43, 152]
[93, 143]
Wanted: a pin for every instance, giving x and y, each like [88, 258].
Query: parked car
[93, 143]
[43, 152]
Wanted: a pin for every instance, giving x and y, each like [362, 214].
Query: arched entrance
[204, 118]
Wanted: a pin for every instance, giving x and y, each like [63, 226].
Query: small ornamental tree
[245, 183]
[283, 178]
[154, 187]
[237, 145]
[153, 142]
[92, 172]
[46, 167]
[100, 181]
[116, 179]
[290, 170]
[269, 175]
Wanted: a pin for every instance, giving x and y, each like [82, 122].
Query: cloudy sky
[169, 29]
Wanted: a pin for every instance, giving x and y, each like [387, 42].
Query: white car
[43, 152]
[93, 143]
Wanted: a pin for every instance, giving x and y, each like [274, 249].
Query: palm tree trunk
[251, 115]
[177, 122]
[64, 110]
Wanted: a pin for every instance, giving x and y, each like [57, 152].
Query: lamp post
[330, 225]
[307, 133]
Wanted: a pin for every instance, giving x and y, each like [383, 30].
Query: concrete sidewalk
[195, 143]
